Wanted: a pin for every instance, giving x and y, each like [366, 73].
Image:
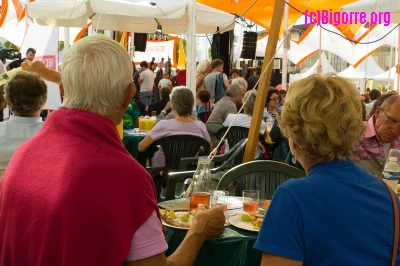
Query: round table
[234, 247]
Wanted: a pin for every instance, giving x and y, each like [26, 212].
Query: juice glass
[251, 199]
[197, 198]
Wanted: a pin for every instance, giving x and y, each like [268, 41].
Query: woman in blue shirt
[338, 214]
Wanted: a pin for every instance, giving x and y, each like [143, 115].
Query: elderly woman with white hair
[72, 194]
[244, 120]
[203, 68]
[182, 103]
[338, 214]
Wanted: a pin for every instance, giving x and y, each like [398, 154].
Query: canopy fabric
[127, 15]
[376, 6]
[353, 54]
[261, 12]
[326, 68]
[366, 69]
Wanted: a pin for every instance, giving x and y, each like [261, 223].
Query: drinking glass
[154, 114]
[219, 198]
[251, 199]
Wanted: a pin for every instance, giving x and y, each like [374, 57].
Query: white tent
[367, 69]
[128, 15]
[326, 68]
[385, 75]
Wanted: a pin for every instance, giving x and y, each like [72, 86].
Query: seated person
[160, 105]
[26, 94]
[233, 74]
[142, 107]
[382, 134]
[281, 145]
[97, 203]
[244, 120]
[227, 105]
[335, 193]
[205, 108]
[131, 116]
[166, 81]
[182, 101]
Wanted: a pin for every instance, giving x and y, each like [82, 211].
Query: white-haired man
[72, 195]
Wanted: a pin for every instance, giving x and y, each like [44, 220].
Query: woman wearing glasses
[272, 108]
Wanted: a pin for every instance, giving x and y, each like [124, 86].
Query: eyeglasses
[274, 99]
[392, 124]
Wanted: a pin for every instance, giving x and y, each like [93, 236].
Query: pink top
[370, 153]
[148, 240]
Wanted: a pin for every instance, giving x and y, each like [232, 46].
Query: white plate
[173, 226]
[182, 228]
[236, 221]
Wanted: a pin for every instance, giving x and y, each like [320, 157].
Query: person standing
[211, 79]
[162, 63]
[168, 66]
[146, 81]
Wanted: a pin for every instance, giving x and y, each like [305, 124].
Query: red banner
[48, 60]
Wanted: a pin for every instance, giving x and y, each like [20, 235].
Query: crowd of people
[72, 195]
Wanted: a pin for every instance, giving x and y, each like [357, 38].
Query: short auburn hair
[26, 93]
[204, 95]
[323, 117]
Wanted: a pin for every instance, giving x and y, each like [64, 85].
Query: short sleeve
[281, 233]
[225, 77]
[158, 131]
[203, 127]
[148, 240]
[142, 75]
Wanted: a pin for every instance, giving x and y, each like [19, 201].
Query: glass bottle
[202, 184]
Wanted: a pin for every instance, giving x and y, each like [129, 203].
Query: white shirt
[165, 83]
[2, 68]
[13, 133]
[148, 80]
[243, 121]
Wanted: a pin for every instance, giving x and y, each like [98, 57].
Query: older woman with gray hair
[329, 217]
[182, 103]
[244, 120]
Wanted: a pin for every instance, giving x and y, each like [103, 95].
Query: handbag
[396, 223]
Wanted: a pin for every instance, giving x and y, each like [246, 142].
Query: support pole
[320, 52]
[390, 64]
[191, 48]
[66, 39]
[397, 79]
[264, 81]
[285, 48]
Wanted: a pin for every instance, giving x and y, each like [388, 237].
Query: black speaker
[249, 45]
[140, 40]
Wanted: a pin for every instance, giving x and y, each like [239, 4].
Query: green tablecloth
[233, 248]
[131, 142]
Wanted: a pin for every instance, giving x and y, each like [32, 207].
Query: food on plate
[256, 219]
[180, 219]
[246, 218]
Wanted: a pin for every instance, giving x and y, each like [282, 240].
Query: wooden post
[264, 81]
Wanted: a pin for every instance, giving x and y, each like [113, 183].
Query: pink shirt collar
[370, 132]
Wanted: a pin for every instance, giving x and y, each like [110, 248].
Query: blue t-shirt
[337, 215]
